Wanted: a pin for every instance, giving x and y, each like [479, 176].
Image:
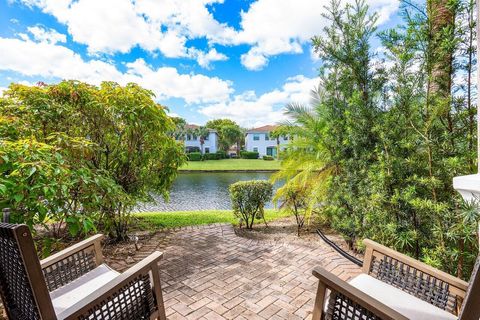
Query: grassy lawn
[155, 220]
[232, 164]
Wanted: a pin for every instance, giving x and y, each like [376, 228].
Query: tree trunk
[442, 22]
[278, 148]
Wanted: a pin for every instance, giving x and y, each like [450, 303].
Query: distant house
[232, 151]
[193, 142]
[259, 140]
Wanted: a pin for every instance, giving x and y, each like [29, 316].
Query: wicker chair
[74, 283]
[395, 286]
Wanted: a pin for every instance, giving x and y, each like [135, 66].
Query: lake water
[202, 191]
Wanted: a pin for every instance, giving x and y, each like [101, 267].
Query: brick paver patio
[209, 272]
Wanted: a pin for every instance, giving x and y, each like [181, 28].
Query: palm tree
[232, 134]
[276, 135]
[307, 163]
[202, 133]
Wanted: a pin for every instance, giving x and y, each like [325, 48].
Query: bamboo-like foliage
[389, 130]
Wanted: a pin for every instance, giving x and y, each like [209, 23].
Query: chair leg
[319, 301]
[157, 287]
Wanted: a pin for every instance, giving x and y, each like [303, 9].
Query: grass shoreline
[231, 165]
[176, 219]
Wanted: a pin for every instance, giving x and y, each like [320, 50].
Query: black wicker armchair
[395, 286]
[74, 283]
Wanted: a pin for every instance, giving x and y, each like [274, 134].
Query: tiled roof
[194, 126]
[267, 128]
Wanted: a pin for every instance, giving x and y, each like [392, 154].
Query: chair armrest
[414, 277]
[376, 250]
[67, 265]
[137, 290]
[349, 297]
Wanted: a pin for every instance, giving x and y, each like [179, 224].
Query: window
[207, 150]
[206, 137]
[194, 137]
[255, 149]
[189, 137]
[285, 138]
[267, 137]
[256, 137]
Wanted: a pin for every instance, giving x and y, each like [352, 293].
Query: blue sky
[204, 59]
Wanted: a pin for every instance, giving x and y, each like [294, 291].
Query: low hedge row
[197, 156]
[194, 156]
[268, 158]
[249, 155]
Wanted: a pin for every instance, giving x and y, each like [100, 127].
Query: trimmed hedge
[268, 158]
[222, 154]
[211, 156]
[249, 155]
[194, 156]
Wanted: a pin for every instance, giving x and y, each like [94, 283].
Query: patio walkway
[208, 272]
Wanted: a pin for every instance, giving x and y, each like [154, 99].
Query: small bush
[294, 198]
[249, 155]
[249, 199]
[268, 158]
[222, 154]
[194, 156]
[211, 156]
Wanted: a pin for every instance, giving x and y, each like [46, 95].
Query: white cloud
[47, 60]
[254, 60]
[166, 82]
[204, 59]
[270, 27]
[111, 26]
[250, 110]
[46, 35]
[275, 27]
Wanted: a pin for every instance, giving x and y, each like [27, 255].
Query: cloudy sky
[204, 59]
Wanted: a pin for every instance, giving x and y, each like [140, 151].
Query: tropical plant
[379, 153]
[229, 133]
[202, 134]
[249, 199]
[126, 149]
[295, 200]
[307, 162]
[180, 129]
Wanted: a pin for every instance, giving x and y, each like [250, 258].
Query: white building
[259, 140]
[210, 143]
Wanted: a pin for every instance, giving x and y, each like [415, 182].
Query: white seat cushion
[68, 295]
[400, 301]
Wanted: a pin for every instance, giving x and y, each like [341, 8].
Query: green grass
[156, 220]
[232, 164]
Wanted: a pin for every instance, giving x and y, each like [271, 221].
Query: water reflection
[202, 191]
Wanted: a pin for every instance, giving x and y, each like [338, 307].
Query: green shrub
[249, 199]
[221, 154]
[211, 156]
[194, 156]
[249, 155]
[294, 198]
[77, 156]
[268, 158]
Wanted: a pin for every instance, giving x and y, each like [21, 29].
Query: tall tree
[229, 133]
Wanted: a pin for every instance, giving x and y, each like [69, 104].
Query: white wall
[210, 143]
[262, 144]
